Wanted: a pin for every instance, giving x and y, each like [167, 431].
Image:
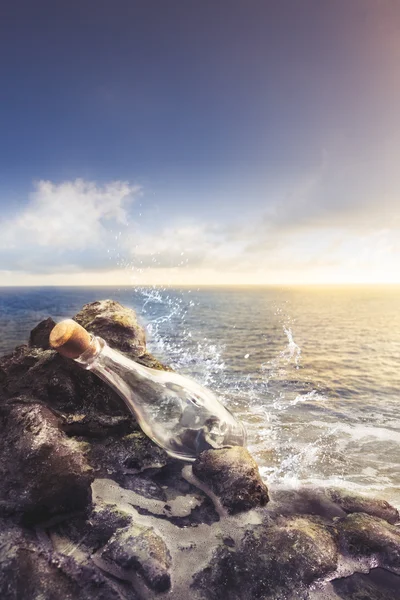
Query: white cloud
[70, 232]
[70, 215]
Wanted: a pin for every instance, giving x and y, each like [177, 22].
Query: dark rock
[103, 522]
[98, 425]
[170, 476]
[29, 572]
[271, 562]
[228, 541]
[91, 531]
[39, 336]
[139, 549]
[364, 536]
[378, 584]
[43, 472]
[304, 501]
[116, 456]
[14, 368]
[144, 487]
[116, 324]
[232, 474]
[354, 503]
[60, 383]
[105, 519]
[148, 360]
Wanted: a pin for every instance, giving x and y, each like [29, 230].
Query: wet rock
[40, 335]
[355, 503]
[232, 475]
[119, 456]
[58, 382]
[144, 487]
[304, 501]
[116, 324]
[148, 360]
[98, 425]
[84, 534]
[271, 562]
[64, 385]
[378, 584]
[138, 549]
[14, 368]
[43, 473]
[364, 536]
[29, 571]
[61, 383]
[103, 521]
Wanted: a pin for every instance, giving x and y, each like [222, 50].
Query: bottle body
[174, 411]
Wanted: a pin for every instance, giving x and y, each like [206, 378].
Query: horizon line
[209, 285]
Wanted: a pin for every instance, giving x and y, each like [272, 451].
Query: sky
[199, 142]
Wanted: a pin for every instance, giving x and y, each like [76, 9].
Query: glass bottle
[174, 411]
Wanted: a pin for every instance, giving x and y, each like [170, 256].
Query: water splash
[288, 357]
[292, 421]
[178, 342]
[292, 351]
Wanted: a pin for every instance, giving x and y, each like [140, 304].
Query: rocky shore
[90, 508]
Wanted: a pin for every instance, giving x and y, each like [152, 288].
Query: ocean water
[314, 373]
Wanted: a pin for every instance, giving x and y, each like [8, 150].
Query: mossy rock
[139, 549]
[115, 323]
[365, 536]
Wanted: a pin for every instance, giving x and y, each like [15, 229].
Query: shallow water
[313, 372]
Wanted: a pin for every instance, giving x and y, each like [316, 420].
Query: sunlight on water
[275, 399]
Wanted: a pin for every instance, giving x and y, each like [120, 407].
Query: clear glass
[174, 411]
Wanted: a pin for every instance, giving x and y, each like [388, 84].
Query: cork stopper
[70, 339]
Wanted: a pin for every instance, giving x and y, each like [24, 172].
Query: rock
[14, 368]
[65, 387]
[102, 522]
[271, 562]
[43, 472]
[144, 487]
[148, 360]
[304, 501]
[29, 571]
[378, 584]
[39, 336]
[232, 475]
[354, 503]
[98, 425]
[116, 324]
[63, 384]
[58, 382]
[139, 549]
[132, 453]
[105, 520]
[84, 534]
[365, 536]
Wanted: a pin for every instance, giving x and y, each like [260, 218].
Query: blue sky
[199, 142]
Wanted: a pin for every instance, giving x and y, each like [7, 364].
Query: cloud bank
[66, 226]
[82, 232]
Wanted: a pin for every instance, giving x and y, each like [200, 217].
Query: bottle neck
[88, 359]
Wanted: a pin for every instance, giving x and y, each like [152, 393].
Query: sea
[313, 372]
